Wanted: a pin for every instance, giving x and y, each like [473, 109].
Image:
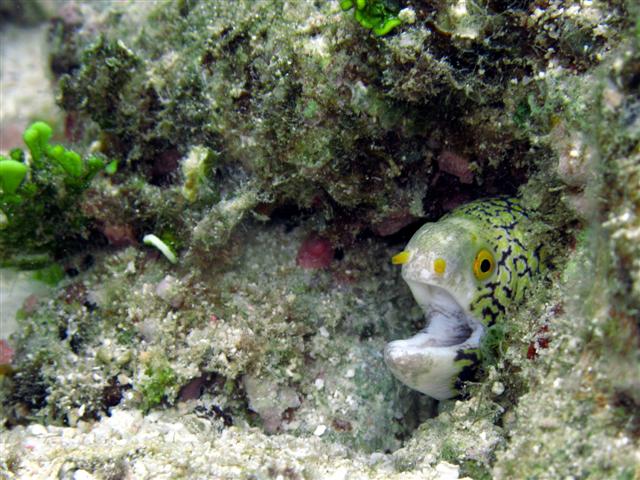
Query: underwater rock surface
[240, 131]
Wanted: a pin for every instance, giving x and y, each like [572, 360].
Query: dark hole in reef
[508, 5]
[72, 272]
[112, 393]
[69, 246]
[62, 60]
[185, 7]
[422, 408]
[289, 215]
[368, 331]
[631, 76]
[628, 405]
[75, 343]
[164, 168]
[26, 388]
[401, 237]
[87, 262]
[62, 332]
[213, 382]
[90, 306]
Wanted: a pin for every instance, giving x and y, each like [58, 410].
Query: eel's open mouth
[429, 361]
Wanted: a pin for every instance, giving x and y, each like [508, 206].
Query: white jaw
[427, 361]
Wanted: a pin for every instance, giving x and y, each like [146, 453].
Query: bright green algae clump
[375, 15]
[39, 200]
[12, 173]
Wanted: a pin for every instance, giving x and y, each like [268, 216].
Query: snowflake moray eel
[464, 271]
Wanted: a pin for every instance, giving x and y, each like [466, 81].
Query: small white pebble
[166, 288]
[447, 471]
[319, 431]
[350, 373]
[319, 383]
[497, 388]
[407, 15]
[622, 442]
[37, 430]
[376, 458]
[82, 475]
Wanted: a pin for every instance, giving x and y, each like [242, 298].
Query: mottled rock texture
[242, 129]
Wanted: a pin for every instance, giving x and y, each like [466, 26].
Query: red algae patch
[6, 352]
[457, 165]
[315, 252]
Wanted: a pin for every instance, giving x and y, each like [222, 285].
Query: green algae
[378, 16]
[39, 196]
[11, 175]
[154, 391]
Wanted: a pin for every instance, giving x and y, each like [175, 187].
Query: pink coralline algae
[456, 165]
[393, 223]
[315, 252]
[6, 352]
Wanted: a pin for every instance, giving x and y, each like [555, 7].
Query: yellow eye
[439, 266]
[484, 264]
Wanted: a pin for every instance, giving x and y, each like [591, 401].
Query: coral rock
[393, 223]
[120, 235]
[456, 165]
